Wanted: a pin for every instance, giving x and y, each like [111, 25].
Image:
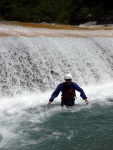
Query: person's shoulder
[60, 84]
[74, 83]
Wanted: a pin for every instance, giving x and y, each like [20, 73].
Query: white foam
[89, 60]
[32, 109]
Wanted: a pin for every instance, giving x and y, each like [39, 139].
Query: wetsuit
[68, 93]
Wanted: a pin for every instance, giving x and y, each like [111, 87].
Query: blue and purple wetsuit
[68, 93]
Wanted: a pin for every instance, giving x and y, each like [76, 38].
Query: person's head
[68, 78]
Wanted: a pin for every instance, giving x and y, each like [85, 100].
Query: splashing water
[28, 64]
[31, 67]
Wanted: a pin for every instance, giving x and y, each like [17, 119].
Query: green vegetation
[57, 11]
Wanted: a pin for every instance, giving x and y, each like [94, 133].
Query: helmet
[68, 76]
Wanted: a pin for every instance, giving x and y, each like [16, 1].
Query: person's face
[68, 81]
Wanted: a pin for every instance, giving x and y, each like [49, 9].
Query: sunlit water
[30, 69]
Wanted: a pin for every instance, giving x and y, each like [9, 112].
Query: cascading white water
[32, 67]
[28, 64]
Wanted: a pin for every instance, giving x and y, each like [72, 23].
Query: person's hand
[86, 101]
[49, 104]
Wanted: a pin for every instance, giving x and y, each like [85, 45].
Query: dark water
[78, 128]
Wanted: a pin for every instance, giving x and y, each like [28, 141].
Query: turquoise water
[30, 65]
[78, 128]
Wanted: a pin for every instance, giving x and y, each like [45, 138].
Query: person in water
[68, 92]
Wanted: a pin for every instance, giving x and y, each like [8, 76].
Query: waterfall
[40, 63]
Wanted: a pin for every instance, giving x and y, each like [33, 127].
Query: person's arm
[82, 93]
[55, 94]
